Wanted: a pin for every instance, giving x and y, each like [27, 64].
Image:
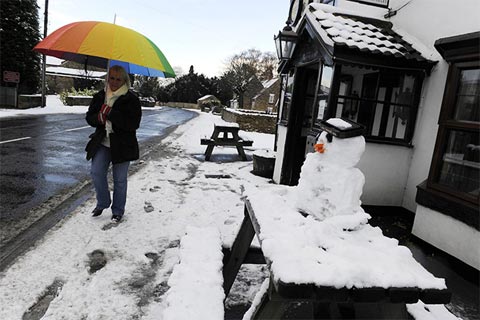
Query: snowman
[330, 186]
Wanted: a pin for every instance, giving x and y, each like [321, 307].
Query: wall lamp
[285, 42]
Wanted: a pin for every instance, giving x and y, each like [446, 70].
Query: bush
[74, 92]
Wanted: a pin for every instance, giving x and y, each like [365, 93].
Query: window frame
[447, 123]
[334, 97]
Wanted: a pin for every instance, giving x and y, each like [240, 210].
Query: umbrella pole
[108, 65]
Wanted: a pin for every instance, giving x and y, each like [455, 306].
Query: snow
[77, 73]
[153, 253]
[265, 153]
[333, 246]
[340, 123]
[201, 254]
[54, 105]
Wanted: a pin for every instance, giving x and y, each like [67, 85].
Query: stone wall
[78, 100]
[249, 120]
[26, 101]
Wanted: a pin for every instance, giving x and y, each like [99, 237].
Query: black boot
[96, 212]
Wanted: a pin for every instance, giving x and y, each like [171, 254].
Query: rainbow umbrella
[104, 44]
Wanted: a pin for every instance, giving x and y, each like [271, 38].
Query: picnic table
[225, 135]
[311, 299]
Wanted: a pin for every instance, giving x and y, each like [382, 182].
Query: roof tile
[361, 33]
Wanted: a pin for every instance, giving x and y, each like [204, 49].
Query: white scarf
[111, 97]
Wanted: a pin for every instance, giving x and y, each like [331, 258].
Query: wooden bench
[312, 300]
[229, 137]
[196, 283]
[226, 142]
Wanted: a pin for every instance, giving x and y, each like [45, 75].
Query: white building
[409, 72]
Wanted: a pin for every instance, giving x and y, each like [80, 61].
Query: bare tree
[252, 62]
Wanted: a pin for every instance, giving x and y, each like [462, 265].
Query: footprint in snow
[148, 207]
[97, 261]
[155, 189]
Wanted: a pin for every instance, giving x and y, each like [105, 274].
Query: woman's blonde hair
[122, 72]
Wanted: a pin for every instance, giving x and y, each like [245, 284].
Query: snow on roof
[74, 73]
[268, 83]
[340, 27]
[208, 96]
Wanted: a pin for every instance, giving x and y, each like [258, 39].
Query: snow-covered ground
[87, 268]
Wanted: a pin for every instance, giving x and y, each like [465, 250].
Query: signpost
[11, 76]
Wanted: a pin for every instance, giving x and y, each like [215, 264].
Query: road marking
[25, 138]
[13, 140]
[74, 129]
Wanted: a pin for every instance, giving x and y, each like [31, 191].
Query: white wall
[426, 129]
[428, 21]
[385, 168]
[281, 137]
[457, 239]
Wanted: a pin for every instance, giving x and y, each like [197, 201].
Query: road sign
[11, 76]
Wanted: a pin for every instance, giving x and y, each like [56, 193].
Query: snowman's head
[340, 152]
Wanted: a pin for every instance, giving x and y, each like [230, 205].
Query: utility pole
[44, 60]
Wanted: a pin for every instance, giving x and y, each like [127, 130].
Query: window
[287, 91]
[456, 163]
[271, 98]
[323, 91]
[384, 101]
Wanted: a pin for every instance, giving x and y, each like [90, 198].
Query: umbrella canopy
[104, 44]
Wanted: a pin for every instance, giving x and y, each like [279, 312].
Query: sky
[163, 261]
[202, 33]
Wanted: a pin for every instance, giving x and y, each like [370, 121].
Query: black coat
[125, 117]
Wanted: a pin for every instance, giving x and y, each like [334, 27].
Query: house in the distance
[267, 99]
[244, 93]
[409, 72]
[65, 76]
[207, 102]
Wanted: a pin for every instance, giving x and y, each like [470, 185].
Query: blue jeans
[99, 170]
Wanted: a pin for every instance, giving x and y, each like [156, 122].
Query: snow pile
[196, 284]
[305, 250]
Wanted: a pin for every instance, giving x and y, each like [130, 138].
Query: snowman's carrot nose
[319, 147]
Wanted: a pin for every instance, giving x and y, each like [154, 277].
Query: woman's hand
[103, 113]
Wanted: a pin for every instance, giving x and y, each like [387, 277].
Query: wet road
[43, 155]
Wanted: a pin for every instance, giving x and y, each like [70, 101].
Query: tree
[19, 33]
[189, 87]
[252, 62]
[246, 69]
[146, 86]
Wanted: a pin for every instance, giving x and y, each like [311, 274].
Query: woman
[115, 112]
